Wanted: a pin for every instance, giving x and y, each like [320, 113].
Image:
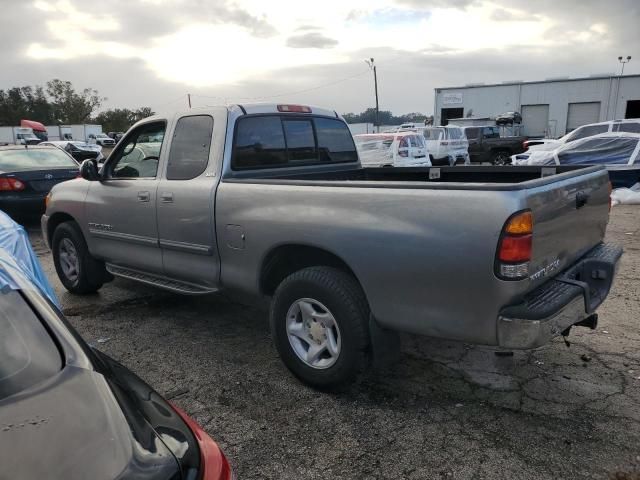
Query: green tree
[70, 106]
[120, 119]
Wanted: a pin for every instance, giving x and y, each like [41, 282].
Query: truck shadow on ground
[553, 381]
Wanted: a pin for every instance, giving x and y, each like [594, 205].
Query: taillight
[515, 246]
[525, 144]
[403, 153]
[294, 108]
[213, 464]
[10, 184]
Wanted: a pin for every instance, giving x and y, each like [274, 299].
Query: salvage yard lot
[446, 410]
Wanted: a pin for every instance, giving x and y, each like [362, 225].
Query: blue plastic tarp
[17, 259]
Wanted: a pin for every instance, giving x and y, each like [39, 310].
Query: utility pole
[615, 103]
[375, 83]
[189, 99]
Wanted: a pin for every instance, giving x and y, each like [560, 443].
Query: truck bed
[450, 178]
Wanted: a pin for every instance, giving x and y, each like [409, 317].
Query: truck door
[121, 209]
[186, 201]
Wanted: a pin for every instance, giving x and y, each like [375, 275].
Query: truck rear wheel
[78, 271]
[319, 321]
[501, 157]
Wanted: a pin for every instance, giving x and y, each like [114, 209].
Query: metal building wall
[491, 100]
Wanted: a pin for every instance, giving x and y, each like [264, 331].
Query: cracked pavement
[445, 410]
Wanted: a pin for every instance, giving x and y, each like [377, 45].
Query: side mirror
[89, 171]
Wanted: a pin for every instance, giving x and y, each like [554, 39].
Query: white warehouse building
[550, 107]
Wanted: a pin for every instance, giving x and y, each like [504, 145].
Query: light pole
[375, 82]
[623, 61]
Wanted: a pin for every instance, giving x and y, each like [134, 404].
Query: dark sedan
[68, 411]
[27, 174]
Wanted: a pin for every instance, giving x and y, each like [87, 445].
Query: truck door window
[190, 146]
[490, 132]
[259, 142]
[335, 143]
[301, 144]
[138, 156]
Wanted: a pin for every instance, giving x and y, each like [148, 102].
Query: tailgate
[570, 217]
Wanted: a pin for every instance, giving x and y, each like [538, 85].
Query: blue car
[27, 174]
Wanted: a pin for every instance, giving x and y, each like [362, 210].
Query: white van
[397, 149]
[446, 145]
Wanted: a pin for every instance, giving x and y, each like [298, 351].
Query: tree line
[385, 117]
[58, 103]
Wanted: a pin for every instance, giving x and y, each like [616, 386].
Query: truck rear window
[279, 141]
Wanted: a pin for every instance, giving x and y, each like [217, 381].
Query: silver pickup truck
[270, 203]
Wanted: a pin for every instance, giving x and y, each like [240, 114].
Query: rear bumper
[23, 204]
[560, 303]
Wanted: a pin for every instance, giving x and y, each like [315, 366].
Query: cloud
[138, 52]
[430, 4]
[504, 15]
[311, 40]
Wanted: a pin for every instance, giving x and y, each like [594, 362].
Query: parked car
[271, 204]
[446, 145]
[116, 135]
[78, 150]
[486, 145]
[27, 175]
[508, 118]
[401, 149]
[630, 125]
[86, 415]
[104, 140]
[618, 151]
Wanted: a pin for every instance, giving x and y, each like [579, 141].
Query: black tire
[91, 273]
[501, 157]
[344, 298]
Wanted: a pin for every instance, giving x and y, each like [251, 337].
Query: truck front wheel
[319, 322]
[78, 271]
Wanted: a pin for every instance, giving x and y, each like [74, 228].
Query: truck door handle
[144, 196]
[581, 199]
[166, 197]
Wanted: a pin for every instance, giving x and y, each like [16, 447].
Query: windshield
[28, 354]
[455, 133]
[35, 159]
[433, 133]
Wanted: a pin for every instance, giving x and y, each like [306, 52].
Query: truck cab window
[335, 143]
[190, 146]
[259, 142]
[139, 154]
[278, 140]
[301, 144]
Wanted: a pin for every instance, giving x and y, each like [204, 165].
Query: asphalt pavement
[445, 410]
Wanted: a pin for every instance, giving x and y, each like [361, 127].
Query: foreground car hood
[72, 427]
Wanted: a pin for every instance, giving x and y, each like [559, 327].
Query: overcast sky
[152, 52]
